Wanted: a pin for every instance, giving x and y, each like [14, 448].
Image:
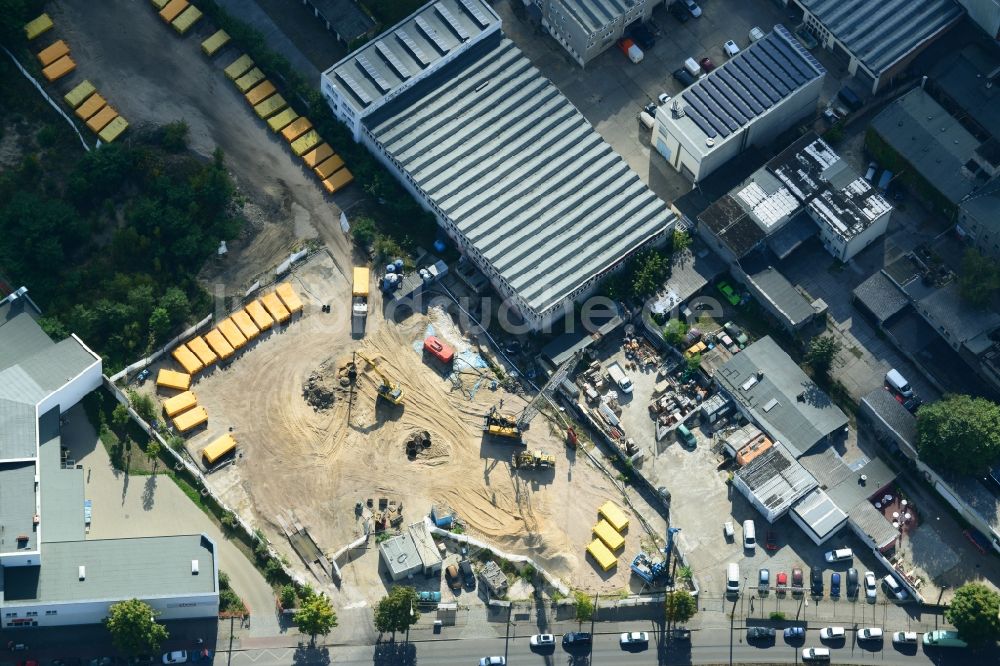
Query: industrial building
[772, 391]
[343, 18]
[985, 14]
[586, 28]
[410, 553]
[747, 101]
[518, 179]
[773, 482]
[50, 573]
[877, 39]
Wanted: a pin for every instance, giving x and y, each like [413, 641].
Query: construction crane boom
[387, 390]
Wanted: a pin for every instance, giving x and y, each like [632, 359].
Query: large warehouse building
[516, 176]
[51, 574]
[748, 101]
[877, 38]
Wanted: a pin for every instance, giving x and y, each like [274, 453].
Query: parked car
[872, 169]
[781, 582]
[758, 633]
[850, 98]
[175, 657]
[816, 581]
[680, 12]
[706, 65]
[736, 333]
[815, 654]
[835, 584]
[576, 638]
[650, 109]
[683, 77]
[680, 634]
[832, 633]
[542, 640]
[893, 587]
[942, 638]
[763, 580]
[870, 634]
[727, 290]
[692, 7]
[839, 555]
[663, 99]
[905, 637]
[871, 589]
[468, 575]
[852, 582]
[797, 579]
[756, 34]
[451, 575]
[493, 661]
[633, 638]
[730, 48]
[643, 37]
[794, 632]
[830, 115]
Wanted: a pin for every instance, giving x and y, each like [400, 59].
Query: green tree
[159, 324]
[133, 627]
[693, 362]
[13, 15]
[973, 611]
[177, 305]
[674, 332]
[822, 352]
[153, 452]
[651, 269]
[288, 596]
[119, 416]
[979, 280]
[316, 617]
[363, 232]
[685, 573]
[959, 433]
[174, 136]
[584, 606]
[143, 406]
[682, 240]
[680, 606]
[397, 610]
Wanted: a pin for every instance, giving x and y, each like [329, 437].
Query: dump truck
[533, 460]
[495, 423]
[359, 300]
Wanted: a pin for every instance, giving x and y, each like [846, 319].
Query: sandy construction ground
[319, 463]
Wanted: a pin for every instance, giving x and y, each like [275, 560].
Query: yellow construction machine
[533, 460]
[387, 390]
[495, 423]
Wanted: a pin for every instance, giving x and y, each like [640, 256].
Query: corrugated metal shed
[775, 479]
[880, 32]
[524, 177]
[593, 15]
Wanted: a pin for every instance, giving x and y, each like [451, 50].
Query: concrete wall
[845, 250]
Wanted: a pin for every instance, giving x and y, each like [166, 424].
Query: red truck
[439, 350]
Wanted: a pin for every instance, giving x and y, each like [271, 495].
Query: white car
[634, 638]
[175, 657]
[831, 633]
[730, 48]
[904, 637]
[756, 34]
[693, 7]
[815, 654]
[493, 661]
[839, 555]
[871, 589]
[870, 634]
[893, 587]
[663, 98]
[542, 640]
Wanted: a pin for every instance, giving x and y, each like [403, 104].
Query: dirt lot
[153, 76]
[320, 462]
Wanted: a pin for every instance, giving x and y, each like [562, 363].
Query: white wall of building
[93, 612]
[73, 391]
[584, 46]
[846, 249]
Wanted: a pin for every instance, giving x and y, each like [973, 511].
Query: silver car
[871, 589]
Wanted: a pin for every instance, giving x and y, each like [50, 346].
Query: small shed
[400, 556]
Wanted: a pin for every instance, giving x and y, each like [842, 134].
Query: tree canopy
[822, 352]
[133, 627]
[680, 606]
[584, 607]
[959, 433]
[315, 616]
[979, 280]
[973, 611]
[397, 610]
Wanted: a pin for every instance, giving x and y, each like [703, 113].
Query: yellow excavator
[387, 390]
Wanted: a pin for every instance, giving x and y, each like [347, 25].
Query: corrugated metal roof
[804, 414]
[345, 17]
[593, 15]
[115, 569]
[776, 479]
[820, 513]
[405, 51]
[750, 84]
[521, 173]
[880, 32]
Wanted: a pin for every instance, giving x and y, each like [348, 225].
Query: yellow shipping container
[59, 69]
[200, 348]
[282, 120]
[179, 403]
[338, 180]
[270, 106]
[192, 418]
[217, 341]
[79, 93]
[100, 119]
[614, 515]
[318, 155]
[219, 448]
[288, 297]
[172, 379]
[245, 323]
[249, 80]
[173, 9]
[186, 20]
[604, 557]
[611, 538]
[113, 130]
[260, 92]
[306, 142]
[296, 129]
[188, 360]
[93, 104]
[239, 67]
[273, 305]
[53, 52]
[259, 315]
[328, 167]
[211, 45]
[38, 26]
[232, 333]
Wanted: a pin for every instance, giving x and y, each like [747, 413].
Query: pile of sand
[323, 384]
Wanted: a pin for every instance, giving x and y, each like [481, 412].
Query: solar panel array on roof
[392, 60]
[358, 91]
[372, 73]
[452, 22]
[432, 34]
[475, 12]
[412, 47]
[754, 80]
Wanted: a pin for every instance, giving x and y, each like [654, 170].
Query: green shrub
[288, 596]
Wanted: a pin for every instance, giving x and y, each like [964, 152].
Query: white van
[647, 120]
[693, 68]
[749, 535]
[732, 578]
[898, 383]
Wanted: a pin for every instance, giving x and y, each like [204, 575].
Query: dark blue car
[795, 632]
[835, 585]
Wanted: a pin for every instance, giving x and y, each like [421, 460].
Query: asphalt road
[704, 650]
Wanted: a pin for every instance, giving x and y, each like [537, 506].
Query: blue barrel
[399, 265]
[439, 245]
[390, 268]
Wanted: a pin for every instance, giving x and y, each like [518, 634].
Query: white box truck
[619, 377]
